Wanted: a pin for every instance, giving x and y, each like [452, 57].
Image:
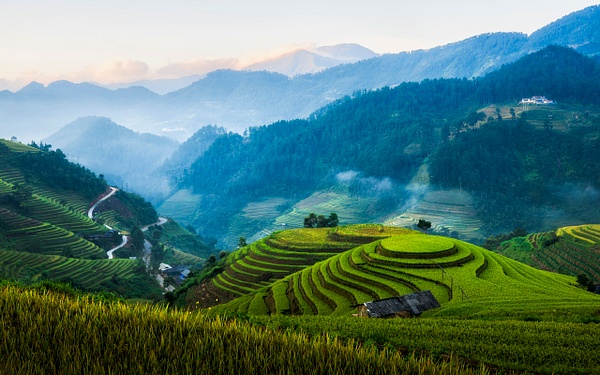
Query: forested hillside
[385, 135]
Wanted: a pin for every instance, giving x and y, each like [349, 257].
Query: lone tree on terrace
[314, 221]
[424, 225]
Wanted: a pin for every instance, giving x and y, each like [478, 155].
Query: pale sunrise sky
[126, 40]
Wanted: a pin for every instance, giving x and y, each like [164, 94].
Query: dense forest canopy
[388, 133]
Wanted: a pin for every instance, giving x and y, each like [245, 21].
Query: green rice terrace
[329, 272]
[570, 250]
[448, 210]
[494, 310]
[279, 255]
[44, 226]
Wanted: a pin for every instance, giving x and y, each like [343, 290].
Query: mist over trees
[127, 159]
[388, 133]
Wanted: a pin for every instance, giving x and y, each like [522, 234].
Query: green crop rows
[490, 303]
[33, 236]
[575, 251]
[456, 272]
[50, 211]
[255, 267]
[85, 273]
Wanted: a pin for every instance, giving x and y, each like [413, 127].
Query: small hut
[404, 306]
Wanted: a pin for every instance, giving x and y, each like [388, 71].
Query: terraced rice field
[456, 272]
[34, 236]
[53, 224]
[68, 200]
[448, 210]
[110, 218]
[264, 209]
[53, 212]
[184, 258]
[181, 206]
[284, 253]
[350, 210]
[5, 187]
[11, 175]
[578, 251]
[84, 272]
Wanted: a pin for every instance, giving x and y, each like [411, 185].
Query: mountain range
[237, 100]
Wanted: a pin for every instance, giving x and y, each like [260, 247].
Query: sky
[127, 40]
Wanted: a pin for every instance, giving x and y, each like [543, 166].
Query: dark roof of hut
[415, 303]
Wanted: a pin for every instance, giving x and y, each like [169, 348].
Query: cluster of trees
[51, 168]
[494, 242]
[586, 282]
[424, 225]
[142, 211]
[320, 221]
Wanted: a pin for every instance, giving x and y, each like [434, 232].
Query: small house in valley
[403, 306]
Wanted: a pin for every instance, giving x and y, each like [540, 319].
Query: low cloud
[116, 71]
[15, 85]
[346, 176]
[5, 84]
[199, 67]
[123, 71]
[371, 185]
[579, 193]
[378, 185]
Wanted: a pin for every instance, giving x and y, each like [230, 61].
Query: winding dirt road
[147, 245]
[90, 213]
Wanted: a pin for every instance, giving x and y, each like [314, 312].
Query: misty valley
[326, 211]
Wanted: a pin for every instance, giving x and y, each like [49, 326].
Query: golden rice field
[45, 332]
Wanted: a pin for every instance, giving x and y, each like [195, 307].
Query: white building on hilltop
[537, 100]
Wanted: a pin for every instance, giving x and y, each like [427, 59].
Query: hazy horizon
[112, 42]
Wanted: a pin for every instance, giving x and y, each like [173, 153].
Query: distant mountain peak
[31, 88]
[350, 51]
[314, 60]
